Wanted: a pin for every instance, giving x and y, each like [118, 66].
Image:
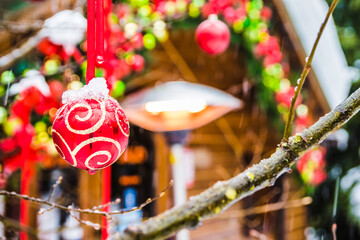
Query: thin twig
[86, 211]
[44, 210]
[58, 182]
[269, 207]
[304, 73]
[55, 185]
[96, 226]
[118, 200]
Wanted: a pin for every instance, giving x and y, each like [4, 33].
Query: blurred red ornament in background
[213, 36]
[120, 68]
[137, 41]
[312, 166]
[274, 57]
[56, 89]
[266, 13]
[137, 63]
[90, 134]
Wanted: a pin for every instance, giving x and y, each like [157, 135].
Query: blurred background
[206, 86]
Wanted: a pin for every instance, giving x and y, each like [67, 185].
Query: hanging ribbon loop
[95, 37]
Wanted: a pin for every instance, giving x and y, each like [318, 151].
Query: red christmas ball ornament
[137, 41]
[90, 131]
[230, 15]
[137, 63]
[213, 36]
[274, 57]
[266, 13]
[56, 89]
[122, 69]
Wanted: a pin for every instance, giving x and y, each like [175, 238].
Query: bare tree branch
[223, 194]
[70, 208]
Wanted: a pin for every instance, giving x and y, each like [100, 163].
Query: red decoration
[120, 68]
[213, 36]
[56, 89]
[137, 63]
[230, 15]
[91, 134]
[137, 41]
[91, 130]
[47, 48]
[312, 166]
[266, 13]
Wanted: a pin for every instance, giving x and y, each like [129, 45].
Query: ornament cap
[213, 17]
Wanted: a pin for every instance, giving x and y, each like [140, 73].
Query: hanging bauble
[137, 41]
[266, 13]
[137, 63]
[90, 130]
[56, 89]
[230, 15]
[213, 36]
[122, 69]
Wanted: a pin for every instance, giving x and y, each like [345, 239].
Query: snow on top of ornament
[95, 89]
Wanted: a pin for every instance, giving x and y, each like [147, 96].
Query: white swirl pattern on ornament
[67, 146]
[118, 122]
[87, 117]
[93, 140]
[84, 143]
[106, 153]
[59, 150]
[58, 112]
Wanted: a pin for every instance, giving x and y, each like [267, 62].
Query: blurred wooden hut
[227, 146]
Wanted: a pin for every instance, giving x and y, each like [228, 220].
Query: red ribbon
[95, 55]
[100, 32]
[95, 43]
[106, 174]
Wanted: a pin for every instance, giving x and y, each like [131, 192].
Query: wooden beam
[89, 193]
[162, 174]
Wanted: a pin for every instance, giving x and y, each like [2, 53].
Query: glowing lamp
[177, 105]
[190, 106]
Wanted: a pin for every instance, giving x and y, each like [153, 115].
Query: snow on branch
[96, 210]
[223, 194]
